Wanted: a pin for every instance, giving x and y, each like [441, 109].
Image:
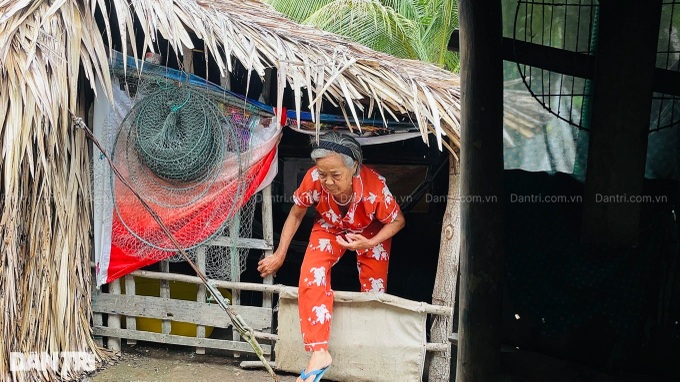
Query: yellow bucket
[179, 291]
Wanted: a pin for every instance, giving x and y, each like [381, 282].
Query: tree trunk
[447, 276]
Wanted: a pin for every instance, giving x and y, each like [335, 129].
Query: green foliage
[416, 29]
[298, 10]
[370, 23]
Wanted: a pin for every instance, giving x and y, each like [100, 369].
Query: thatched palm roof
[344, 72]
[310, 60]
[45, 186]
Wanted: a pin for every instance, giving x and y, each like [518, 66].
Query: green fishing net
[178, 133]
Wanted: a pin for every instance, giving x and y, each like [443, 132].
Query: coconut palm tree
[414, 29]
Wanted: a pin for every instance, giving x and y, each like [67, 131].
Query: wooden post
[200, 293]
[113, 343]
[268, 236]
[266, 86]
[267, 209]
[622, 98]
[447, 276]
[187, 60]
[481, 255]
[166, 325]
[97, 318]
[130, 322]
[225, 81]
[235, 257]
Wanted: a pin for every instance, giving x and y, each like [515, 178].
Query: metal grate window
[666, 107]
[568, 25]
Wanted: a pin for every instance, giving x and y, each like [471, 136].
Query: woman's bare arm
[354, 241]
[270, 264]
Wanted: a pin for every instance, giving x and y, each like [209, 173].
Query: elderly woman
[355, 211]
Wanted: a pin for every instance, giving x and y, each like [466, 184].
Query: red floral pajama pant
[315, 300]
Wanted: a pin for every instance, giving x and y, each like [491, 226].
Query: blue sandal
[318, 373]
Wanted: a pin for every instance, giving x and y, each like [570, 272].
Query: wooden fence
[119, 308]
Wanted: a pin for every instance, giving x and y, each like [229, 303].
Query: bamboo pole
[197, 280]
[267, 208]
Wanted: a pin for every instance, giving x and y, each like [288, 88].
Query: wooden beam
[177, 340]
[549, 58]
[235, 265]
[540, 56]
[666, 81]
[166, 324]
[622, 99]
[384, 298]
[97, 318]
[193, 312]
[567, 62]
[481, 256]
[240, 242]
[196, 280]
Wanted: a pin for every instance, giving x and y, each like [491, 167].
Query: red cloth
[126, 255]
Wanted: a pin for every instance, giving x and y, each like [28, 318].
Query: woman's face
[334, 175]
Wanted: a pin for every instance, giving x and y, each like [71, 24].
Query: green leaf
[452, 61]
[297, 10]
[415, 29]
[370, 23]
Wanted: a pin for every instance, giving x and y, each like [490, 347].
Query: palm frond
[452, 61]
[369, 23]
[297, 10]
[440, 20]
[410, 9]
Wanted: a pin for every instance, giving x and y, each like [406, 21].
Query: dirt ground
[146, 362]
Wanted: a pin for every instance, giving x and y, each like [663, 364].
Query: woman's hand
[355, 241]
[270, 264]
